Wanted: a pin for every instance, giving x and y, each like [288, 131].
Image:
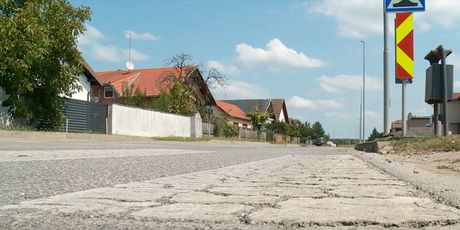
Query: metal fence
[208, 128]
[85, 117]
[243, 133]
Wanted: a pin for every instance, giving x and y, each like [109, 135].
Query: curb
[35, 135]
[424, 180]
[375, 146]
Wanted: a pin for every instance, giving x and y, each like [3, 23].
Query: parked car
[318, 142]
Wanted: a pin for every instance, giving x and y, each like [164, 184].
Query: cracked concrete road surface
[291, 187]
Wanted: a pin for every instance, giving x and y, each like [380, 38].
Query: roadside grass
[204, 139]
[186, 139]
[420, 145]
[346, 145]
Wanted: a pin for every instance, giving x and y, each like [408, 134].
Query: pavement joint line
[211, 179]
[439, 197]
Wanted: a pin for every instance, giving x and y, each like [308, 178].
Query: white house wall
[454, 111]
[86, 88]
[140, 122]
[5, 118]
[282, 118]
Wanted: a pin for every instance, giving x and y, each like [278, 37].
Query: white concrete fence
[124, 120]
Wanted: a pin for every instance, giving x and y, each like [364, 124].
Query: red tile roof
[456, 96]
[396, 124]
[151, 80]
[232, 110]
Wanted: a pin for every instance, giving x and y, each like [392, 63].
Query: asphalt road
[32, 169]
[89, 184]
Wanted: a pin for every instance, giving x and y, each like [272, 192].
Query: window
[108, 92]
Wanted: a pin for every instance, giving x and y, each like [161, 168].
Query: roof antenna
[129, 64]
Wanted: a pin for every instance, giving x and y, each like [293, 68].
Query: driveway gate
[85, 117]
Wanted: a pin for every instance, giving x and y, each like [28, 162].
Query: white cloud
[441, 12]
[361, 18]
[136, 55]
[339, 83]
[112, 53]
[454, 59]
[91, 40]
[105, 53]
[297, 102]
[240, 90]
[338, 115]
[90, 36]
[355, 18]
[421, 111]
[140, 36]
[274, 56]
[457, 85]
[226, 69]
[298, 117]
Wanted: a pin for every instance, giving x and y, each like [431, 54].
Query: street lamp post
[364, 90]
[360, 113]
[386, 74]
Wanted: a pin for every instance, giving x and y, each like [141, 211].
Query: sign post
[404, 46]
[386, 75]
[404, 25]
[405, 5]
[404, 101]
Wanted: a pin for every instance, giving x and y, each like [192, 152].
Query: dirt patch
[428, 145]
[438, 162]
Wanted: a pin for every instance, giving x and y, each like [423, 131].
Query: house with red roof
[453, 113]
[234, 113]
[276, 108]
[151, 81]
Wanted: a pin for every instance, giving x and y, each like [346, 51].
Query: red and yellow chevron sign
[404, 25]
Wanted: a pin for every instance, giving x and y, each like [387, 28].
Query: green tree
[132, 96]
[177, 100]
[258, 118]
[39, 59]
[278, 127]
[230, 130]
[375, 135]
[306, 132]
[317, 130]
[187, 87]
[293, 130]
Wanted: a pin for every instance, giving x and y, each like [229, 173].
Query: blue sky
[307, 52]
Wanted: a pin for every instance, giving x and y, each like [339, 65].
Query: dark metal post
[434, 56]
[435, 119]
[386, 75]
[444, 88]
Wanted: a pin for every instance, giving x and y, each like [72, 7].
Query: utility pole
[364, 89]
[360, 113]
[129, 51]
[386, 75]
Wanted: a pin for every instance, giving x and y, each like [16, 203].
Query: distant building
[453, 113]
[275, 107]
[151, 81]
[86, 81]
[416, 126]
[236, 116]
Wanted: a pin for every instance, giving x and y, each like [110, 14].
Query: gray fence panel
[83, 116]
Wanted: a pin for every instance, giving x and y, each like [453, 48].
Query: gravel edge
[428, 182]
